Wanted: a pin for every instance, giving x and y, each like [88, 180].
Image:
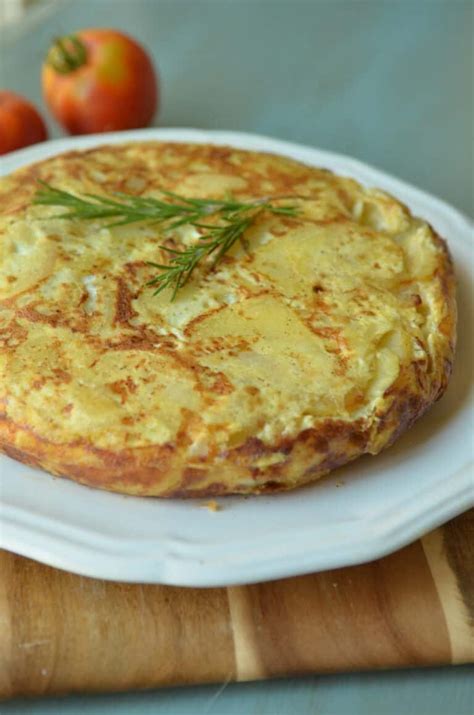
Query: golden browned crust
[253, 452]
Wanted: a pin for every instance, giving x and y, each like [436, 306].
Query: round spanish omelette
[321, 337]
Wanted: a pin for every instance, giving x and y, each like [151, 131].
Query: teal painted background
[386, 81]
[389, 82]
[422, 692]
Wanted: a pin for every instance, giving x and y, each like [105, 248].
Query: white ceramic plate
[364, 511]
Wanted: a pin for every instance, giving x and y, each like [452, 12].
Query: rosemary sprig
[218, 238]
[229, 218]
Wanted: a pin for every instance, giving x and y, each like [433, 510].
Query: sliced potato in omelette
[322, 338]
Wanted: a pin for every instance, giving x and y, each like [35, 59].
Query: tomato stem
[67, 54]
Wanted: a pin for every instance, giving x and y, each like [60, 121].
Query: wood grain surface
[65, 633]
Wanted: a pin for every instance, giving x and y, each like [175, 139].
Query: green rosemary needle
[232, 219]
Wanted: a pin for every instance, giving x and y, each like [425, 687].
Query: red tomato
[20, 123]
[99, 81]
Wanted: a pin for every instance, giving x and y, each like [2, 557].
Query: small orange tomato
[98, 81]
[20, 123]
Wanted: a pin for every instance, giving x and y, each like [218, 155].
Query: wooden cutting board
[65, 633]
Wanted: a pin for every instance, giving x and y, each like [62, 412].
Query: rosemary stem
[225, 221]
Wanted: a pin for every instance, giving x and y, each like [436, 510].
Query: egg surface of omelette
[320, 338]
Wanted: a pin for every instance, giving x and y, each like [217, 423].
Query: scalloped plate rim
[74, 547]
